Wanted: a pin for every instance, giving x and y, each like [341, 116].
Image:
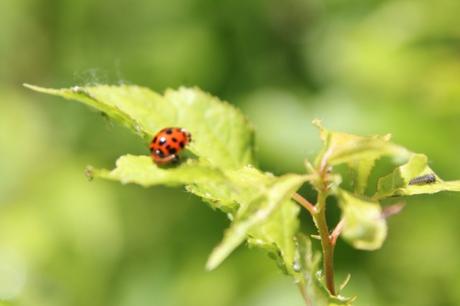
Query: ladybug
[167, 144]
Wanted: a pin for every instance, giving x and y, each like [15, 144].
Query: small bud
[89, 173]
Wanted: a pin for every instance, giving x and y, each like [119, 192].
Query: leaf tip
[40, 89]
[30, 86]
[212, 263]
[220, 253]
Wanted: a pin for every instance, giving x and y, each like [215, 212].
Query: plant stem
[318, 212]
[326, 242]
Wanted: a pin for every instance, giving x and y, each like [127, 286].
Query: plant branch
[304, 203]
[304, 294]
[337, 231]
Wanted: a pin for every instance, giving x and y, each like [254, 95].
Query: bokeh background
[362, 66]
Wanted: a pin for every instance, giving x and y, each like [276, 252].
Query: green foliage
[258, 202]
[225, 138]
[342, 148]
[359, 153]
[397, 183]
[364, 224]
[274, 198]
[265, 215]
[140, 170]
[310, 280]
[365, 228]
[221, 171]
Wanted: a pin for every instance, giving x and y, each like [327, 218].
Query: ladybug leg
[176, 158]
[165, 160]
[187, 134]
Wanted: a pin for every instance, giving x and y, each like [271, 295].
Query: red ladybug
[167, 144]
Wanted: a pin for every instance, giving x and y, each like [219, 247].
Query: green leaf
[257, 201]
[276, 235]
[397, 183]
[198, 175]
[215, 195]
[361, 171]
[141, 170]
[345, 148]
[309, 278]
[221, 134]
[261, 212]
[223, 144]
[359, 153]
[364, 226]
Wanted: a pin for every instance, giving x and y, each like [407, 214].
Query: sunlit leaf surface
[221, 134]
[220, 171]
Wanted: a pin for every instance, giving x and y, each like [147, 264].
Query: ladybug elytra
[167, 144]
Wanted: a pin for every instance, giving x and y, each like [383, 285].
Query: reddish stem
[304, 203]
[336, 232]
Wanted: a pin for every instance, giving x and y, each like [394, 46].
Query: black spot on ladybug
[171, 150]
[155, 139]
[182, 144]
[169, 131]
[174, 139]
[159, 153]
[162, 140]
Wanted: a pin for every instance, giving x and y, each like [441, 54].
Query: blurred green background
[362, 66]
